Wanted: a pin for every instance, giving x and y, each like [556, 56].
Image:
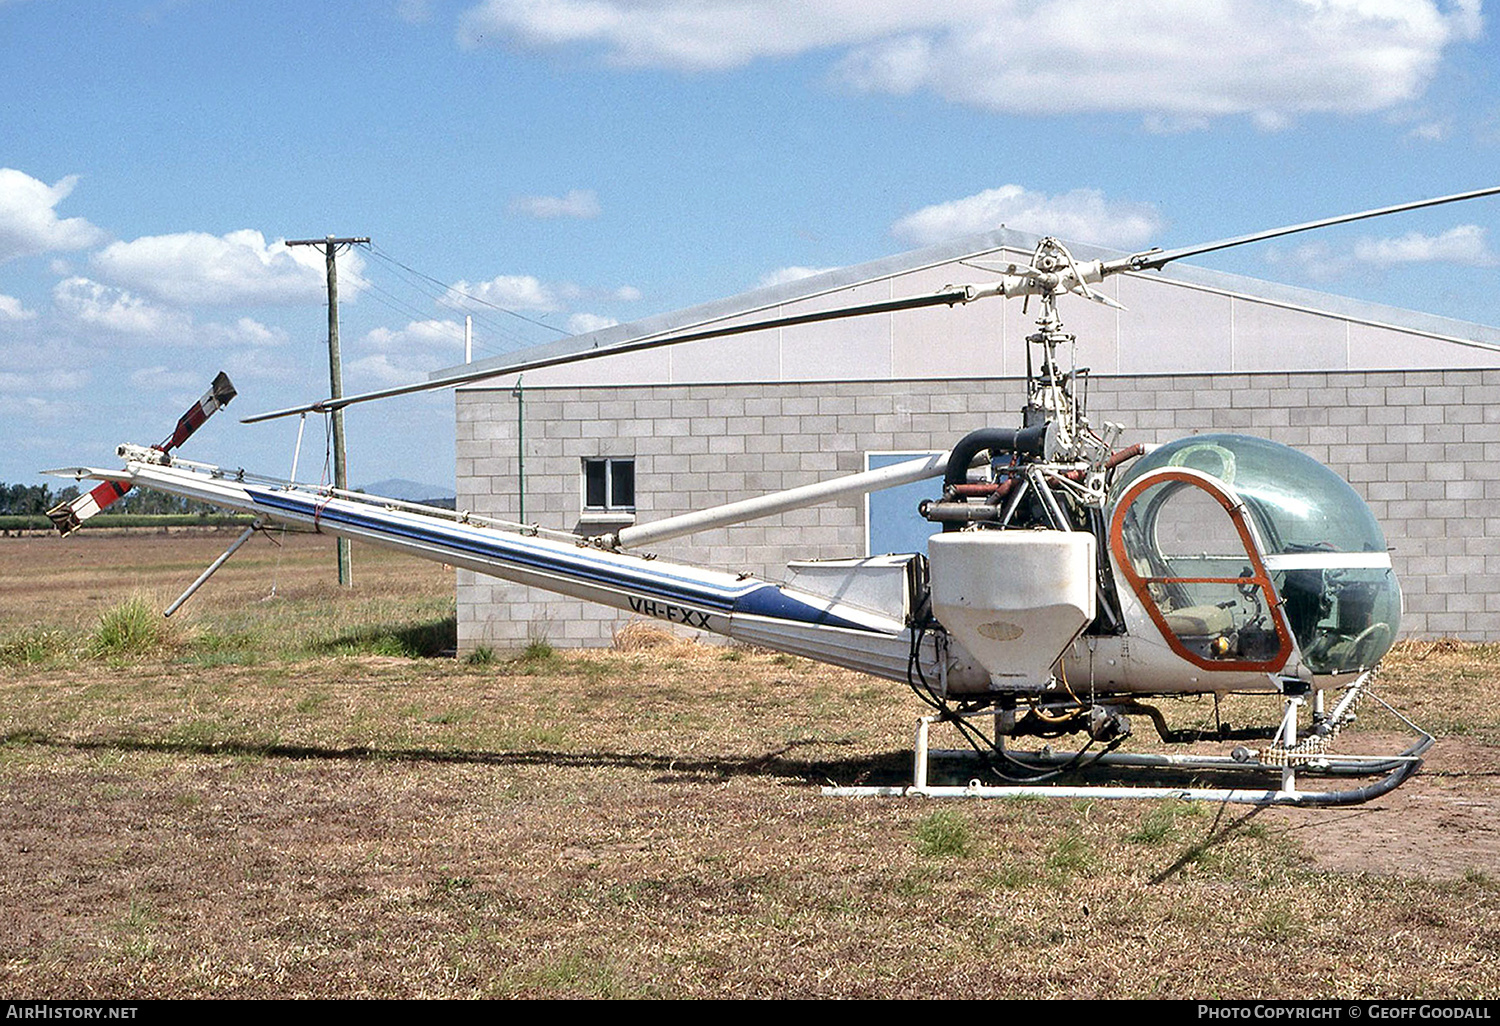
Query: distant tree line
[33, 500]
[140, 500]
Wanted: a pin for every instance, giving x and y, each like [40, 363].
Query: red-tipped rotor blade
[218, 394]
[67, 517]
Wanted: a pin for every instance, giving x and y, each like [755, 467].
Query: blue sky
[580, 162]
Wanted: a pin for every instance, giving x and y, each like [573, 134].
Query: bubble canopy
[1326, 553]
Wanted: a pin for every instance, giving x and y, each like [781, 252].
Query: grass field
[293, 794]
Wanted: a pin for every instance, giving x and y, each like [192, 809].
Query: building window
[609, 485]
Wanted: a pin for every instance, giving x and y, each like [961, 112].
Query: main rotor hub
[1050, 256]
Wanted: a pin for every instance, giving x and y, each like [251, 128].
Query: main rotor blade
[949, 296]
[1148, 261]
[1154, 260]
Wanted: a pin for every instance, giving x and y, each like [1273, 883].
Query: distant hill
[411, 491]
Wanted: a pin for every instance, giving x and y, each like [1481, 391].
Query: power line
[388, 299]
[448, 289]
[391, 301]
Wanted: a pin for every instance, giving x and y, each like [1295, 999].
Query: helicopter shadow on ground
[884, 769]
[425, 639]
[879, 769]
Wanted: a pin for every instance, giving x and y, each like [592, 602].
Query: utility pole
[330, 247]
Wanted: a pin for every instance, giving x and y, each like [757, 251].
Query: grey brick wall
[1423, 448]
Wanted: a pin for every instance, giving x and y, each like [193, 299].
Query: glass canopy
[1323, 550]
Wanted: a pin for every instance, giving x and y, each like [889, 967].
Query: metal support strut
[212, 567]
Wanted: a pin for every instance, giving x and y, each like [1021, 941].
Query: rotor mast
[1050, 389]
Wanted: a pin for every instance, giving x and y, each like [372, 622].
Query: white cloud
[28, 222]
[690, 35]
[54, 380]
[418, 336]
[1178, 60]
[1270, 120]
[1431, 131]
[1467, 18]
[518, 292]
[898, 66]
[1083, 215]
[1182, 60]
[40, 360]
[782, 275]
[404, 355]
[244, 332]
[1465, 244]
[379, 369]
[120, 312]
[12, 310]
[1312, 259]
[580, 203]
[511, 292]
[583, 323]
[35, 410]
[113, 309]
[195, 268]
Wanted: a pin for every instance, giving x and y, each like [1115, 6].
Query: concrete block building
[1404, 405]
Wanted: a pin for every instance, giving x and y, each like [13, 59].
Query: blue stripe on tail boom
[751, 598]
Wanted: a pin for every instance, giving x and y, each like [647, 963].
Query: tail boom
[734, 605]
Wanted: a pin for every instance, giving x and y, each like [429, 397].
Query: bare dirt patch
[1445, 823]
[283, 805]
[1442, 824]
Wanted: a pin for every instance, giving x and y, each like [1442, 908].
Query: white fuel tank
[1014, 599]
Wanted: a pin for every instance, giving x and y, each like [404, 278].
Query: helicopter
[1073, 581]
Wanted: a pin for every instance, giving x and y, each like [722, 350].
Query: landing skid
[1285, 759]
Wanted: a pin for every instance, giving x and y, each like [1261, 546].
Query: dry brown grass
[275, 808]
[646, 636]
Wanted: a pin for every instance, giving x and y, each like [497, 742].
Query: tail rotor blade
[219, 393]
[67, 517]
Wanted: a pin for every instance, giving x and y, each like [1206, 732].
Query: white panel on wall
[852, 348]
[1388, 348]
[1271, 338]
[755, 356]
[943, 341]
[1172, 329]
